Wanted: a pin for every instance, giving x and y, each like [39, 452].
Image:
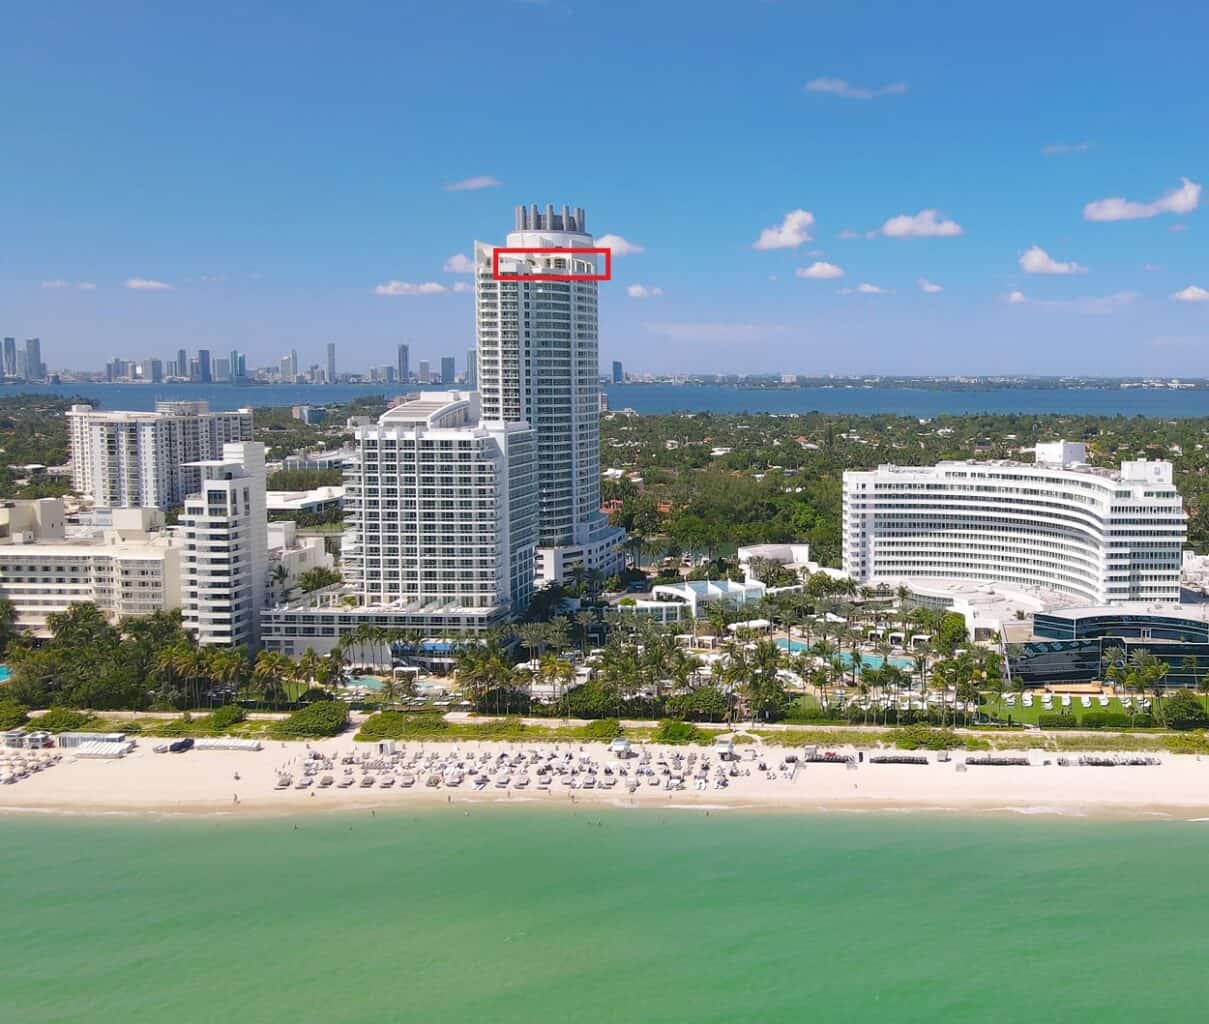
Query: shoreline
[201, 784]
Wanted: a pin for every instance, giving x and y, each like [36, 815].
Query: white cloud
[1037, 261]
[1177, 227]
[848, 91]
[394, 288]
[1064, 148]
[1091, 305]
[474, 184]
[642, 291]
[461, 287]
[849, 233]
[84, 286]
[1193, 293]
[820, 271]
[864, 288]
[715, 332]
[143, 284]
[925, 224]
[1184, 199]
[619, 245]
[794, 230]
[458, 263]
[928, 286]
[1151, 268]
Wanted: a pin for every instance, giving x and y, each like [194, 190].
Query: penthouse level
[1101, 536]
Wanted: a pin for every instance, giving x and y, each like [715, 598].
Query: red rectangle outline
[606, 276]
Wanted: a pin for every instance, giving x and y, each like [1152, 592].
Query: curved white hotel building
[1104, 536]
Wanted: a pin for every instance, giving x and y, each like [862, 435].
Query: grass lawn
[1028, 716]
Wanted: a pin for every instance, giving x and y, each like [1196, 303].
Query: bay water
[717, 398]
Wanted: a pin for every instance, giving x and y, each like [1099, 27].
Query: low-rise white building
[131, 567]
[316, 501]
[289, 556]
[696, 594]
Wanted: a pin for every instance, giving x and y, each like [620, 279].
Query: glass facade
[1068, 649]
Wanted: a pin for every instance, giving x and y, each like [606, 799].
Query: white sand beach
[204, 782]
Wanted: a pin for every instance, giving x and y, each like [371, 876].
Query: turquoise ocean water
[516, 914]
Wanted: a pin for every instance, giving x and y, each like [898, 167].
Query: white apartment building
[130, 568]
[1104, 536]
[538, 362]
[442, 519]
[224, 531]
[148, 459]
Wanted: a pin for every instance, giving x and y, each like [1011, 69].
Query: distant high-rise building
[404, 369]
[170, 367]
[448, 369]
[331, 362]
[153, 370]
[424, 374]
[35, 369]
[203, 366]
[21, 363]
[182, 363]
[131, 459]
[618, 372]
[545, 371]
[472, 369]
[289, 366]
[10, 357]
[235, 365]
[222, 368]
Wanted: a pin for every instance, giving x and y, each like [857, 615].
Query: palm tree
[308, 668]
[278, 577]
[270, 669]
[389, 691]
[532, 636]
[583, 620]
[329, 672]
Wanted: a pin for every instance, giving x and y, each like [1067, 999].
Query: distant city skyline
[784, 189]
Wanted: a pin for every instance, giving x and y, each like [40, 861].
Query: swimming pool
[3, 673]
[867, 660]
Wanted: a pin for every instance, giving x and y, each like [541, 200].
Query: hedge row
[1095, 720]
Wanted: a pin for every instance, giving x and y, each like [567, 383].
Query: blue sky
[274, 164]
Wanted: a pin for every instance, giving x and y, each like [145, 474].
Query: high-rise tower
[538, 361]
